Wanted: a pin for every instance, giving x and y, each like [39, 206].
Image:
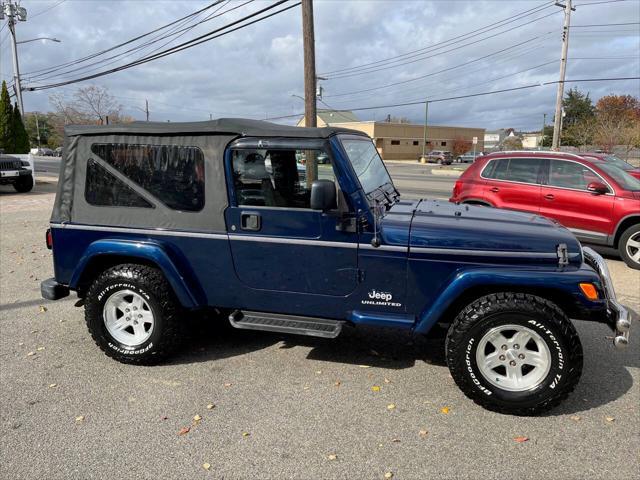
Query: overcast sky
[255, 71]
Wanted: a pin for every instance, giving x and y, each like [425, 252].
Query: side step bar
[273, 322]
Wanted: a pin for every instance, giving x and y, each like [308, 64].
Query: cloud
[254, 72]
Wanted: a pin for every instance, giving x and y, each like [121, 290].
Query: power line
[604, 24]
[599, 3]
[480, 94]
[538, 8]
[47, 9]
[403, 82]
[183, 46]
[387, 67]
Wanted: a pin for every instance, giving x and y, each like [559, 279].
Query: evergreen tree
[21, 136]
[6, 120]
[579, 111]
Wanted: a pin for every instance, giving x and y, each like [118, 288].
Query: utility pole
[544, 124]
[14, 13]
[563, 68]
[38, 129]
[308, 40]
[424, 143]
[146, 108]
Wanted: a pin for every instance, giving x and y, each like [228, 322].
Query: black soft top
[229, 126]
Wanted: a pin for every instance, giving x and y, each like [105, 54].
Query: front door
[514, 183]
[278, 243]
[566, 199]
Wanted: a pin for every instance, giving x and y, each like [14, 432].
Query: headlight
[24, 163]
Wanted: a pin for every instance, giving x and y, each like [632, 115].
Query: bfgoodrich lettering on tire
[514, 353]
[131, 313]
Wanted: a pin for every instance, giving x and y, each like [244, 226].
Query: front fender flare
[152, 252]
[564, 281]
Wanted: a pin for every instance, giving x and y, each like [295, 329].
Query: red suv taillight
[457, 188]
[49, 239]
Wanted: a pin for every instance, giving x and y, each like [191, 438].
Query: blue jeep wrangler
[155, 221]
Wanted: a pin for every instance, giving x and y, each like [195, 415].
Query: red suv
[597, 200]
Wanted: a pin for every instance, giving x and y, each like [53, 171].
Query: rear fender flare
[152, 252]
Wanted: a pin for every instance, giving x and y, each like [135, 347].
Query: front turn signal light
[589, 291]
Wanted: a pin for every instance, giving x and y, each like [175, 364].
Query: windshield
[618, 162]
[625, 180]
[366, 162]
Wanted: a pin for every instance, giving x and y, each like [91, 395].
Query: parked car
[598, 201]
[16, 172]
[438, 156]
[468, 157]
[618, 162]
[148, 244]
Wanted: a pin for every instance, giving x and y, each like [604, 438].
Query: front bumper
[11, 175]
[619, 317]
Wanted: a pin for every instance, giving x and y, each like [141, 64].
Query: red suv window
[524, 170]
[565, 174]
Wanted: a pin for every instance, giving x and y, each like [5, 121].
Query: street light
[39, 38]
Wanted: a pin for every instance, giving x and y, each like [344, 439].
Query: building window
[443, 144]
[172, 173]
[395, 142]
[416, 143]
[102, 189]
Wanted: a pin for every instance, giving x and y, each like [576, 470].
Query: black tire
[24, 184]
[536, 314]
[631, 234]
[150, 284]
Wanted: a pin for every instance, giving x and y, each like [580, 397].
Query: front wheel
[24, 184]
[629, 246]
[132, 314]
[514, 353]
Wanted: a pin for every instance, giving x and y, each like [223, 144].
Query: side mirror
[598, 188]
[323, 195]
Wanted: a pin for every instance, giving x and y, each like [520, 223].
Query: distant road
[412, 179]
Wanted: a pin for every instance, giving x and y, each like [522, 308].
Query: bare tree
[512, 143]
[582, 132]
[92, 104]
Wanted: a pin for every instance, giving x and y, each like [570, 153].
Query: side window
[524, 170]
[104, 190]
[276, 178]
[571, 175]
[497, 169]
[172, 173]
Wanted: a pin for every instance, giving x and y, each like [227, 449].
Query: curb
[446, 172]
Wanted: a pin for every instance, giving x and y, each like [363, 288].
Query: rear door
[513, 183]
[565, 198]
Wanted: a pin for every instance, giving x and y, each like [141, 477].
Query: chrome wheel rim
[513, 358]
[128, 318]
[633, 247]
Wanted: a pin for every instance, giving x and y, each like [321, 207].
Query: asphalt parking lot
[240, 404]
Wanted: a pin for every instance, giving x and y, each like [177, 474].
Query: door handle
[495, 189]
[250, 221]
[549, 196]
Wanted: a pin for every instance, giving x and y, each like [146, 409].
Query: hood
[444, 228]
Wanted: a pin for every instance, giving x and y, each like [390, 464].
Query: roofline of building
[377, 122]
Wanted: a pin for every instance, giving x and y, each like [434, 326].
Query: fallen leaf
[80, 418]
[184, 430]
[306, 387]
[228, 384]
[332, 456]
[319, 372]
[423, 433]
[610, 419]
[42, 308]
[20, 344]
[338, 383]
[164, 417]
[245, 434]
[40, 349]
[31, 354]
[53, 385]
[211, 406]
[34, 331]
[395, 440]
[375, 388]
[388, 475]
[197, 419]
[521, 439]
[386, 380]
[576, 418]
[364, 366]
[206, 466]
[391, 406]
[445, 410]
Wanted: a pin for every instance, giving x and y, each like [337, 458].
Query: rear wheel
[629, 246]
[24, 184]
[132, 314]
[514, 353]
